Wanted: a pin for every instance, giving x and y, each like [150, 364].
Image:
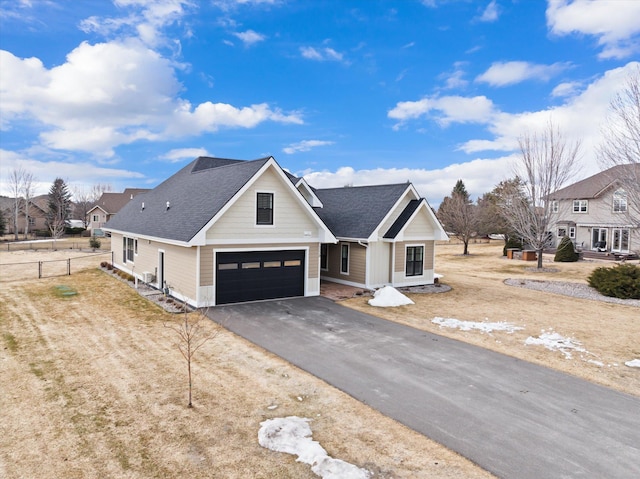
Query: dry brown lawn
[93, 386]
[609, 332]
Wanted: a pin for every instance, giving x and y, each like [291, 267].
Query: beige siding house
[386, 234]
[224, 231]
[108, 205]
[597, 213]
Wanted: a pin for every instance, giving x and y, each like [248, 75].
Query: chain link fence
[18, 270]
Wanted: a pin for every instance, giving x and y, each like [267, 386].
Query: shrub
[622, 281]
[103, 264]
[512, 243]
[109, 266]
[566, 252]
[94, 242]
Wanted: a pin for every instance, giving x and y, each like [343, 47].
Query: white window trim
[406, 247]
[572, 232]
[554, 206]
[580, 203]
[273, 209]
[348, 245]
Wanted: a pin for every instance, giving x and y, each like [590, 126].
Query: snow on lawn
[293, 435]
[486, 327]
[389, 297]
[633, 364]
[555, 342]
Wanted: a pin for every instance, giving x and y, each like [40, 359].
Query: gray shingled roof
[594, 185]
[195, 194]
[356, 211]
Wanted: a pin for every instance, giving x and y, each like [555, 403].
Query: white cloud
[580, 117]
[458, 109]
[180, 154]
[510, 73]
[75, 174]
[479, 176]
[110, 94]
[250, 37]
[321, 54]
[305, 145]
[227, 5]
[455, 79]
[146, 20]
[491, 13]
[616, 24]
[566, 89]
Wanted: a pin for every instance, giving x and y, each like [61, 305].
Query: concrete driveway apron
[513, 418]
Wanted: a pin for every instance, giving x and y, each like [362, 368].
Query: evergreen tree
[566, 252]
[3, 224]
[59, 207]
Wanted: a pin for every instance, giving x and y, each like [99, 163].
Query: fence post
[39, 269]
[68, 266]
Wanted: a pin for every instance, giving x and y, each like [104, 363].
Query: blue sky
[126, 92]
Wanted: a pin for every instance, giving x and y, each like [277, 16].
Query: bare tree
[27, 190]
[16, 178]
[491, 209]
[620, 149]
[192, 335]
[548, 160]
[86, 198]
[458, 215]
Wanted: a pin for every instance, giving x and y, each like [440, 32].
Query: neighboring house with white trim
[224, 231]
[597, 213]
[109, 204]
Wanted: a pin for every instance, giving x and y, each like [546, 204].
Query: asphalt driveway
[513, 418]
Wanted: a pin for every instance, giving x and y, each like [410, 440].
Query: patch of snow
[555, 342]
[438, 275]
[389, 297]
[486, 327]
[293, 435]
[635, 363]
[597, 363]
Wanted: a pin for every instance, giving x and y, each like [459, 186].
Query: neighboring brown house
[597, 213]
[109, 204]
[226, 231]
[37, 214]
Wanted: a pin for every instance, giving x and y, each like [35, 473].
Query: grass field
[92, 384]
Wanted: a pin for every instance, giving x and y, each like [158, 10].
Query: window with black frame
[415, 260]
[264, 210]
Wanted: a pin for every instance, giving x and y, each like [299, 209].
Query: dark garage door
[256, 275]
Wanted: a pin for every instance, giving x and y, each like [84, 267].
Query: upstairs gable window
[554, 206]
[264, 209]
[620, 201]
[580, 206]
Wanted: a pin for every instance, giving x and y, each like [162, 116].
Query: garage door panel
[258, 275]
